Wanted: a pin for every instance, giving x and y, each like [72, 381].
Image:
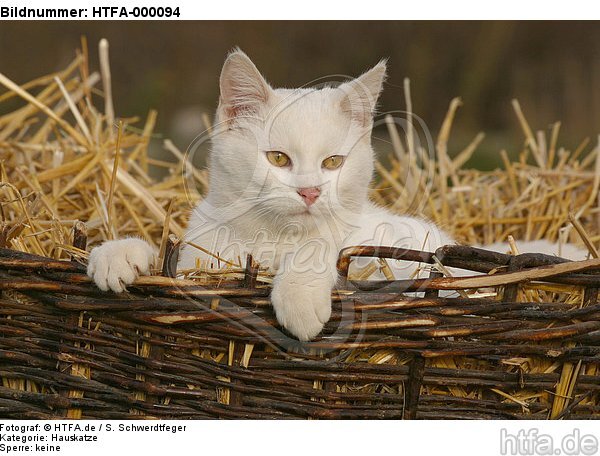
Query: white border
[331, 438]
[349, 9]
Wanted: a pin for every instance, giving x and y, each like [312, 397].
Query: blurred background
[553, 68]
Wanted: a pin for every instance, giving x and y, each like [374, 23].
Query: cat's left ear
[359, 96]
[243, 88]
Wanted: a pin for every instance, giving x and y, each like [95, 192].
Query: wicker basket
[183, 350]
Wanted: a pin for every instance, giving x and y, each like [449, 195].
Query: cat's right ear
[243, 88]
[360, 95]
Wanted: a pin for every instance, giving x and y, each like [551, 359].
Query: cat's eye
[333, 162]
[278, 159]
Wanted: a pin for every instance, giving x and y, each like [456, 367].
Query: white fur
[253, 207]
[116, 264]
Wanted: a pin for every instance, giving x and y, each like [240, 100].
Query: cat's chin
[300, 215]
[302, 212]
[311, 212]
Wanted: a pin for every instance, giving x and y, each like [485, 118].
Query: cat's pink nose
[309, 195]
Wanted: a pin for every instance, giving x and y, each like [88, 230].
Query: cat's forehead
[308, 119]
[290, 102]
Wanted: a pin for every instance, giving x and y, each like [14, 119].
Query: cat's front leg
[302, 301]
[116, 264]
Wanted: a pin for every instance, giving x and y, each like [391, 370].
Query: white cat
[289, 178]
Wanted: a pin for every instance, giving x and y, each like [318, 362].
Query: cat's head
[293, 152]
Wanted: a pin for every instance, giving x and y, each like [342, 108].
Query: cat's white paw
[302, 309]
[116, 264]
